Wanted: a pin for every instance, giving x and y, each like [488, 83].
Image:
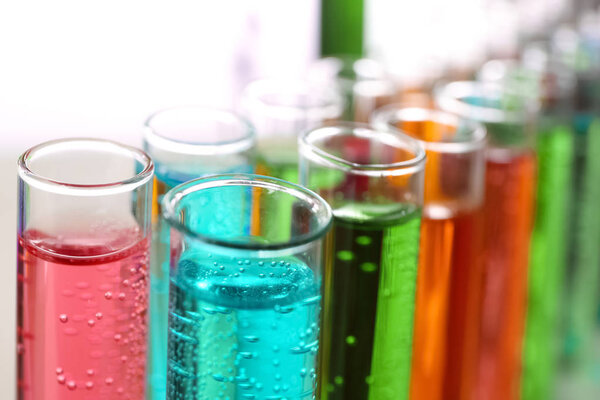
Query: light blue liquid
[242, 329]
[159, 281]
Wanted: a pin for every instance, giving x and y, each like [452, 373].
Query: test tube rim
[330, 109]
[155, 139]
[47, 184]
[448, 97]
[173, 197]
[395, 112]
[308, 149]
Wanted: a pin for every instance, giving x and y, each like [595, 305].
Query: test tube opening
[241, 212]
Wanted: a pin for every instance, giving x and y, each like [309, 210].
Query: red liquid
[509, 213]
[81, 317]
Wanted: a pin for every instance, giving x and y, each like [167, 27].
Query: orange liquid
[447, 313]
[508, 221]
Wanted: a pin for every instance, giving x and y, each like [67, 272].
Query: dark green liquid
[369, 305]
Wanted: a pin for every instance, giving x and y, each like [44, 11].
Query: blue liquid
[242, 329]
[159, 279]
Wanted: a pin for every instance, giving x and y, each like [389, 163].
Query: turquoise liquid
[159, 282]
[242, 329]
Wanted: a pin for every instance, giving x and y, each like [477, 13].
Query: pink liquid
[81, 317]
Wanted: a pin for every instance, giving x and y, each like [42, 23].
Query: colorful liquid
[547, 263]
[242, 329]
[81, 327]
[369, 304]
[159, 278]
[510, 185]
[448, 306]
[582, 360]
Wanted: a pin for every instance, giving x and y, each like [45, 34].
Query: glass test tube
[373, 180]
[281, 110]
[447, 316]
[363, 83]
[83, 240]
[541, 77]
[509, 206]
[185, 143]
[244, 300]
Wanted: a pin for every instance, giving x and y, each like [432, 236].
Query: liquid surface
[81, 326]
[369, 303]
[510, 185]
[242, 329]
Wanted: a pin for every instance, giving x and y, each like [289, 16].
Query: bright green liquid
[369, 305]
[547, 262]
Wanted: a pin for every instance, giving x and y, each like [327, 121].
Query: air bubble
[59, 371]
[345, 255]
[90, 372]
[99, 315]
[91, 323]
[61, 379]
[89, 385]
[63, 318]
[109, 381]
[71, 385]
[108, 295]
[117, 337]
[363, 240]
[121, 296]
[368, 267]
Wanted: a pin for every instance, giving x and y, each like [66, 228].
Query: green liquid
[547, 263]
[342, 27]
[583, 300]
[369, 306]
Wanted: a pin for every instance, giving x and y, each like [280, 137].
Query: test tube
[364, 84]
[543, 78]
[280, 110]
[581, 355]
[185, 143]
[509, 206]
[82, 280]
[447, 315]
[373, 180]
[245, 302]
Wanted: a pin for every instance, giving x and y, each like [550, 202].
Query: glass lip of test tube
[450, 97]
[476, 139]
[162, 137]
[317, 205]
[281, 99]
[371, 79]
[38, 179]
[309, 148]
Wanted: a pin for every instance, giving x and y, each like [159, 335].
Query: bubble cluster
[243, 332]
